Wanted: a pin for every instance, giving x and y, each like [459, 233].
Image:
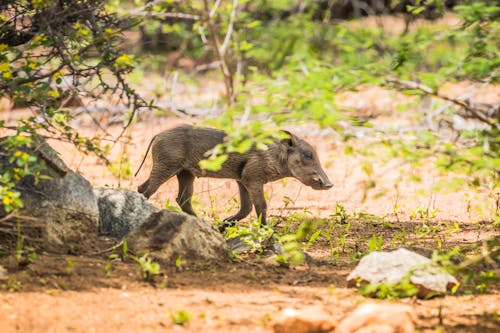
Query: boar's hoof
[226, 224]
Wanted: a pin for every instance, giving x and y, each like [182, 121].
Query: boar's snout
[321, 182]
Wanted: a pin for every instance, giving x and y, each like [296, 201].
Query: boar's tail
[147, 151]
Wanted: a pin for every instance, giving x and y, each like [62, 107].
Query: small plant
[287, 201]
[255, 235]
[169, 205]
[294, 218]
[12, 285]
[451, 229]
[121, 167]
[70, 265]
[108, 267]
[400, 237]
[294, 244]
[403, 288]
[178, 263]
[292, 251]
[124, 249]
[148, 267]
[340, 214]
[23, 163]
[331, 239]
[344, 235]
[338, 220]
[477, 272]
[424, 213]
[375, 243]
[25, 255]
[180, 317]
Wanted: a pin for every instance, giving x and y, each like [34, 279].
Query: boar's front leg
[186, 180]
[256, 192]
[245, 208]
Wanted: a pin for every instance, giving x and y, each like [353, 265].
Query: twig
[7, 217]
[14, 215]
[173, 87]
[477, 114]
[144, 11]
[214, 8]
[228, 81]
[178, 16]
[225, 44]
[114, 247]
[206, 67]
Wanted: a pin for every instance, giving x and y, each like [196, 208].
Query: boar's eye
[307, 154]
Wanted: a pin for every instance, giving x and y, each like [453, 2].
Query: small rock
[392, 267]
[238, 245]
[168, 234]
[311, 319]
[3, 274]
[379, 318]
[269, 245]
[121, 211]
[271, 261]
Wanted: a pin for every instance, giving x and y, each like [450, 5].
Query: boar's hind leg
[143, 187]
[245, 205]
[158, 176]
[186, 180]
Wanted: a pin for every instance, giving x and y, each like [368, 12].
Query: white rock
[311, 319]
[392, 267]
[379, 318]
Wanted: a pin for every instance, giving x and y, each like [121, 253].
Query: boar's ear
[290, 141]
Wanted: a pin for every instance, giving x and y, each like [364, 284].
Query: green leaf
[213, 163]
[242, 147]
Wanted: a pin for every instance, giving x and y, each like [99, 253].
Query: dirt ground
[63, 293]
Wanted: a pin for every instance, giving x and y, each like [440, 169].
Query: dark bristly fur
[179, 150]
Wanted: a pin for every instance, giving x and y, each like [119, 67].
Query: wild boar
[178, 151]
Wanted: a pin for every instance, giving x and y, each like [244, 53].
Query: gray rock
[244, 244]
[62, 210]
[168, 234]
[238, 245]
[392, 267]
[121, 211]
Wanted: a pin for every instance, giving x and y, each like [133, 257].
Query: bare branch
[214, 8]
[228, 80]
[225, 44]
[476, 113]
[175, 16]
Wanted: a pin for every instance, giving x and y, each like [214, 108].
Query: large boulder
[121, 211]
[393, 267]
[60, 212]
[168, 234]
